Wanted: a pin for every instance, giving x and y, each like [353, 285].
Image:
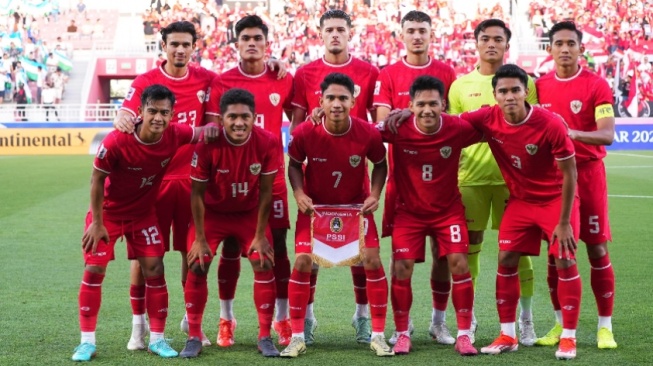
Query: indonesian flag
[544, 66]
[337, 235]
[632, 102]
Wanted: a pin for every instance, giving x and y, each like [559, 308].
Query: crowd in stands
[294, 30]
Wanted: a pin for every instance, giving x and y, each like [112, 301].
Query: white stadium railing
[65, 113]
[531, 47]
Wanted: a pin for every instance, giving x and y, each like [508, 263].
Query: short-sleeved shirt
[309, 77]
[335, 164]
[426, 165]
[233, 172]
[580, 100]
[190, 90]
[393, 87]
[272, 96]
[470, 92]
[526, 152]
[136, 169]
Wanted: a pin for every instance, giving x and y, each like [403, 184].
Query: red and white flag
[337, 235]
[632, 103]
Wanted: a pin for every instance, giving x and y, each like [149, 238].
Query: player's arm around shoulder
[603, 115]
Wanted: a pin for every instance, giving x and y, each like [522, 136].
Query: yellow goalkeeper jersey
[468, 93]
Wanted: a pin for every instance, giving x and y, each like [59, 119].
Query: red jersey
[576, 100]
[233, 171]
[392, 88]
[136, 169]
[272, 96]
[191, 92]
[336, 168]
[526, 152]
[425, 165]
[309, 77]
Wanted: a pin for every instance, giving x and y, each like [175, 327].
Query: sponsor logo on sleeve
[193, 162]
[101, 152]
[357, 91]
[130, 94]
[377, 88]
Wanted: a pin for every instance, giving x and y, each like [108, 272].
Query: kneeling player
[231, 197]
[426, 151]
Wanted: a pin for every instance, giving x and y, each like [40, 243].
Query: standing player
[483, 189]
[273, 97]
[232, 196]
[392, 92]
[335, 28]
[536, 158]
[333, 151]
[584, 100]
[426, 153]
[190, 86]
[127, 173]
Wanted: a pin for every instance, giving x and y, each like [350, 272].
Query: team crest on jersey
[201, 96]
[130, 94]
[354, 160]
[445, 152]
[576, 105]
[335, 224]
[101, 152]
[377, 88]
[165, 162]
[357, 91]
[255, 168]
[275, 98]
[193, 162]
[531, 149]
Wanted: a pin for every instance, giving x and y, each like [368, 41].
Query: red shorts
[524, 225]
[143, 239]
[240, 226]
[593, 192]
[279, 215]
[410, 231]
[173, 209]
[303, 234]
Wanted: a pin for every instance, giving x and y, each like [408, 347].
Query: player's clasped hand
[370, 205]
[198, 251]
[210, 132]
[264, 249]
[395, 118]
[92, 237]
[564, 233]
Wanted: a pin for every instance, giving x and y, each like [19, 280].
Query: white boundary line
[627, 196]
[635, 155]
[629, 166]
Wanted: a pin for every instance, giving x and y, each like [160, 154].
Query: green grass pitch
[43, 201]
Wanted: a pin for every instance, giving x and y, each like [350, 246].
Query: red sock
[156, 300]
[463, 299]
[440, 292]
[313, 284]
[282, 274]
[402, 300]
[137, 299]
[552, 280]
[90, 299]
[228, 273]
[195, 295]
[359, 278]
[377, 292]
[507, 293]
[602, 277]
[264, 295]
[569, 294]
[298, 293]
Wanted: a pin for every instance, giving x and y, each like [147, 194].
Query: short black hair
[487, 23]
[566, 25]
[335, 14]
[426, 82]
[251, 21]
[510, 71]
[338, 79]
[182, 26]
[416, 16]
[237, 96]
[157, 92]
